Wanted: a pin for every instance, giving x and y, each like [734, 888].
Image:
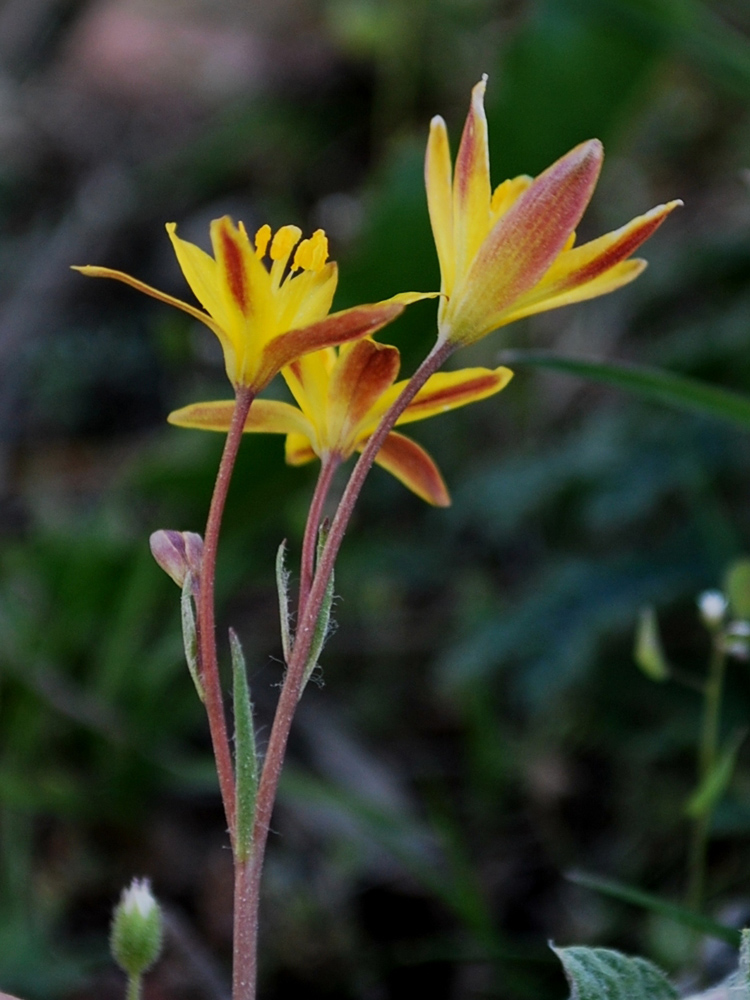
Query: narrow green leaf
[654, 384]
[680, 915]
[744, 968]
[603, 974]
[245, 752]
[648, 652]
[282, 586]
[190, 635]
[323, 624]
[716, 782]
[737, 588]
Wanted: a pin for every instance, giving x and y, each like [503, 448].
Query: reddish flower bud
[178, 553]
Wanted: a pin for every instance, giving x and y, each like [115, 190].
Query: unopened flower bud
[712, 605]
[178, 553]
[136, 935]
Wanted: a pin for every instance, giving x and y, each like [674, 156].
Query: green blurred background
[482, 729]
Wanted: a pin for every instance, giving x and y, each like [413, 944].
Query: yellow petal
[350, 324]
[92, 271]
[308, 379]
[507, 193]
[200, 271]
[437, 175]
[442, 392]
[471, 184]
[306, 298]
[449, 390]
[365, 370]
[266, 416]
[592, 267]
[298, 450]
[412, 466]
[523, 244]
[617, 276]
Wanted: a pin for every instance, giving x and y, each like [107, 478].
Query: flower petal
[412, 466]
[365, 370]
[298, 450]
[584, 264]
[200, 271]
[306, 298]
[471, 184]
[448, 390]
[266, 416]
[234, 272]
[437, 177]
[524, 243]
[617, 276]
[442, 392]
[92, 271]
[335, 329]
[308, 379]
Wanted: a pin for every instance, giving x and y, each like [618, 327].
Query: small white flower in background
[712, 605]
[136, 935]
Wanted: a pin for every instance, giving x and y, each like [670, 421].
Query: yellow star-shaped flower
[265, 317]
[341, 396]
[510, 253]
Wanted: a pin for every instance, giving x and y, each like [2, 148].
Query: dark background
[482, 729]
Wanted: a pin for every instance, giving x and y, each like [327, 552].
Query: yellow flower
[265, 317]
[510, 253]
[342, 395]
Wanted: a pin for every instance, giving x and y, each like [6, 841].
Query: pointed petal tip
[477, 91]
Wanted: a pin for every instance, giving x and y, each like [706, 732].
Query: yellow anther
[262, 239]
[312, 254]
[283, 242]
[319, 243]
[303, 256]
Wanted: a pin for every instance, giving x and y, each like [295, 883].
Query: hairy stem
[206, 620]
[309, 545]
[290, 691]
[708, 750]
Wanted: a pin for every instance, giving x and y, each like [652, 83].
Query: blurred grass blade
[711, 789]
[680, 915]
[190, 636]
[653, 384]
[245, 753]
[648, 652]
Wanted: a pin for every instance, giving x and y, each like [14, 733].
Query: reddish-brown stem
[310, 542]
[209, 660]
[290, 691]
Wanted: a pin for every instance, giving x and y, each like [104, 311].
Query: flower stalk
[206, 615]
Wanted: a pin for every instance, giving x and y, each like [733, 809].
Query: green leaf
[323, 624]
[737, 588]
[245, 752]
[654, 384]
[636, 897]
[282, 586]
[190, 636]
[713, 786]
[648, 652]
[743, 973]
[603, 974]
